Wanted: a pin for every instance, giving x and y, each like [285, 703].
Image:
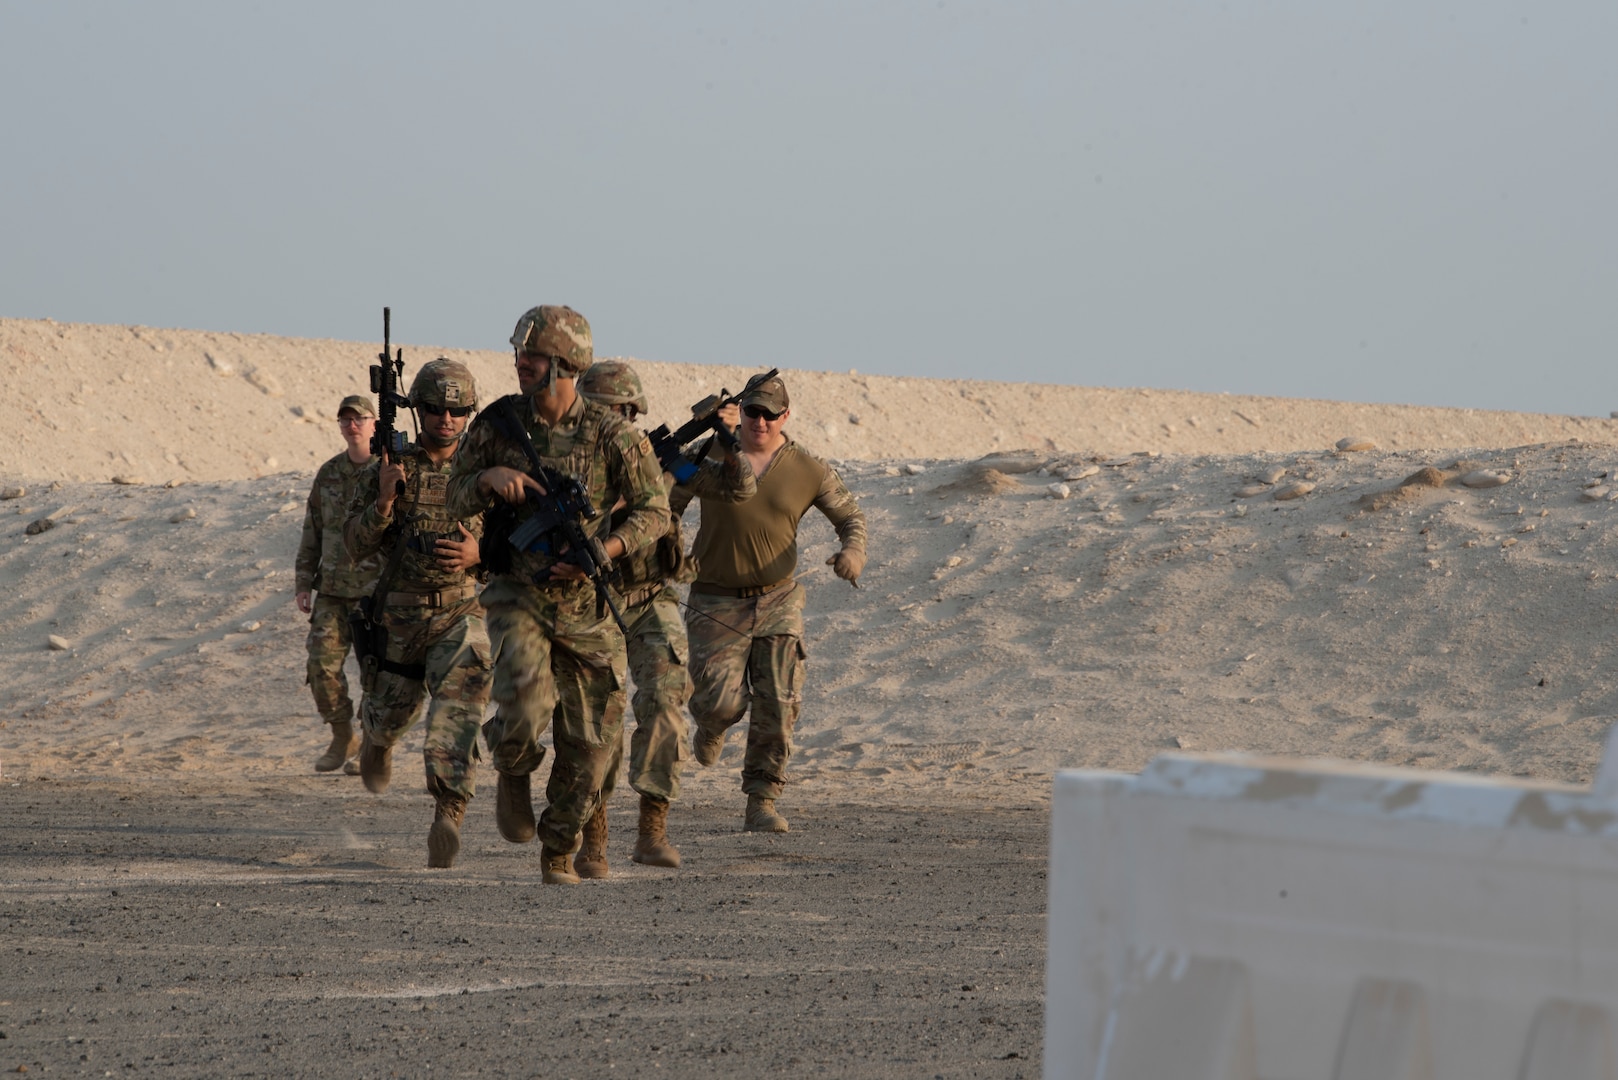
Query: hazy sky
[1372, 201]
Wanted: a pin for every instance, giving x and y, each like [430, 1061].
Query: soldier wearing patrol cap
[556, 651]
[745, 618]
[656, 640]
[330, 583]
[437, 643]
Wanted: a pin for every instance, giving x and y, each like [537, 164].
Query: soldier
[329, 583]
[556, 648]
[437, 643]
[745, 617]
[656, 640]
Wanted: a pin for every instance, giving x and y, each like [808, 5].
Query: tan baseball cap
[358, 404]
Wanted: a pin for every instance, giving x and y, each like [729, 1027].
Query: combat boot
[706, 746]
[652, 847]
[343, 745]
[444, 838]
[554, 869]
[761, 815]
[514, 808]
[591, 861]
[376, 765]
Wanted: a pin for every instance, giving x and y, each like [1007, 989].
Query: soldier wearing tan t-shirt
[745, 616]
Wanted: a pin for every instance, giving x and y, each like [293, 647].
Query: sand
[1171, 598]
[1059, 577]
[100, 401]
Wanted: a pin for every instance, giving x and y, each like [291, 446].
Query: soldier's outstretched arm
[843, 511]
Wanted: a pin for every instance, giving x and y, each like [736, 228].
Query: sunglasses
[440, 410]
[759, 412]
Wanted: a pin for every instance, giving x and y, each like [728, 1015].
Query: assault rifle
[556, 526]
[670, 445]
[385, 385]
[365, 622]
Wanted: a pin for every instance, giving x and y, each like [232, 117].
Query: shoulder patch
[613, 427]
[644, 447]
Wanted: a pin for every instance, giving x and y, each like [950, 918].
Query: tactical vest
[582, 456]
[653, 564]
[424, 510]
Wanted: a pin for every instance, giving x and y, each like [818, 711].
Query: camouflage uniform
[658, 651]
[435, 626]
[555, 653]
[338, 581]
[746, 621]
[436, 638]
[656, 638]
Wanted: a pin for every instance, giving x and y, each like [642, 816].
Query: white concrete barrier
[1222, 917]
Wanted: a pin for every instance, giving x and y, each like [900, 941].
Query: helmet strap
[439, 441]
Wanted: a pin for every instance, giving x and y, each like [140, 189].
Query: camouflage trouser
[657, 662]
[328, 644]
[555, 657]
[749, 652]
[453, 646]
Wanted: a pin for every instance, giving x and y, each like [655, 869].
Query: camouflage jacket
[423, 512]
[591, 442]
[755, 543]
[720, 476]
[323, 563]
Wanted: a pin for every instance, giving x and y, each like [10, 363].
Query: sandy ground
[288, 929]
[1077, 591]
[1000, 632]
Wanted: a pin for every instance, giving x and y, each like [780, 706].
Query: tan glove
[847, 565]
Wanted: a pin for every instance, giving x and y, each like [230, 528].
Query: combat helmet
[445, 384]
[613, 382]
[558, 331]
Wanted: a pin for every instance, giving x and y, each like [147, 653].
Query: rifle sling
[415, 672]
[379, 597]
[503, 415]
[375, 648]
[373, 615]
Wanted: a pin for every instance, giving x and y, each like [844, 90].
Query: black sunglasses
[759, 412]
[440, 410]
